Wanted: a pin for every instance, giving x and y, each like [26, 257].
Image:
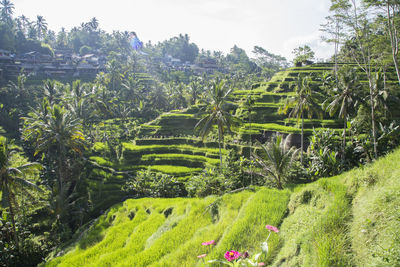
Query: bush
[84, 50]
[209, 182]
[154, 184]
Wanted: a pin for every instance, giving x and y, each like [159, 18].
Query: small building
[5, 56]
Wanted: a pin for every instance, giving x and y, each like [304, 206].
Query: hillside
[348, 220]
[170, 145]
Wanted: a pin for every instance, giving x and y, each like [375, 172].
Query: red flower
[208, 243]
[231, 255]
[272, 228]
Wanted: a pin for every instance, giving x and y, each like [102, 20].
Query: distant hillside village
[66, 64]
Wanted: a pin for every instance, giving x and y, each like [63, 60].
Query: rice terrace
[199, 133]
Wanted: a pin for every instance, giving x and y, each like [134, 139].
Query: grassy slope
[349, 220]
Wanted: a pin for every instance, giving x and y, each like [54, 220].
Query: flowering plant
[236, 259]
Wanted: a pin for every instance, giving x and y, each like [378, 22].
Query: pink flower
[261, 264]
[201, 256]
[231, 255]
[208, 243]
[272, 228]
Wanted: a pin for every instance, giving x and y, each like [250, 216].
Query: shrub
[209, 182]
[153, 184]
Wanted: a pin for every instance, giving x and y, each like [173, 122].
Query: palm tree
[216, 115]
[94, 23]
[177, 95]
[6, 10]
[304, 101]
[114, 72]
[41, 26]
[194, 90]
[25, 23]
[276, 159]
[248, 104]
[51, 88]
[345, 97]
[12, 179]
[60, 135]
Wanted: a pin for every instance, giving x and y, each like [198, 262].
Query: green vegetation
[314, 223]
[211, 138]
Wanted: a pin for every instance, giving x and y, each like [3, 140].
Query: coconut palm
[249, 104]
[304, 101]
[41, 26]
[59, 134]
[6, 10]
[94, 23]
[194, 90]
[276, 159]
[345, 96]
[215, 114]
[13, 179]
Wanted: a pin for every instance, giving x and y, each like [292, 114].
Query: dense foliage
[172, 120]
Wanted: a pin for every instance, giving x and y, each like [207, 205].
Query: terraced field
[348, 220]
[170, 145]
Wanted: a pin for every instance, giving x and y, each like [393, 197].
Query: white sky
[276, 25]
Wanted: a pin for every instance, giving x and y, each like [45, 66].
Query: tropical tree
[303, 54]
[249, 104]
[13, 179]
[93, 23]
[41, 26]
[56, 132]
[114, 73]
[194, 91]
[177, 95]
[345, 97]
[276, 159]
[304, 101]
[6, 10]
[389, 10]
[360, 39]
[215, 113]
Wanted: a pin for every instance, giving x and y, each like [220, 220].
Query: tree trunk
[13, 220]
[344, 137]
[302, 137]
[373, 124]
[251, 164]
[219, 145]
[393, 38]
[278, 182]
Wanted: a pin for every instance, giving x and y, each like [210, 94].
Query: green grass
[174, 170]
[151, 239]
[148, 149]
[271, 127]
[375, 233]
[348, 220]
[102, 161]
[183, 157]
[177, 115]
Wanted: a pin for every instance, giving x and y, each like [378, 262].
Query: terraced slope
[349, 220]
[169, 144]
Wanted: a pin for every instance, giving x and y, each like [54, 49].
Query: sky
[279, 26]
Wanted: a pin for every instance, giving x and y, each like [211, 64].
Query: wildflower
[201, 256]
[245, 255]
[272, 228]
[231, 255]
[208, 243]
[261, 264]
